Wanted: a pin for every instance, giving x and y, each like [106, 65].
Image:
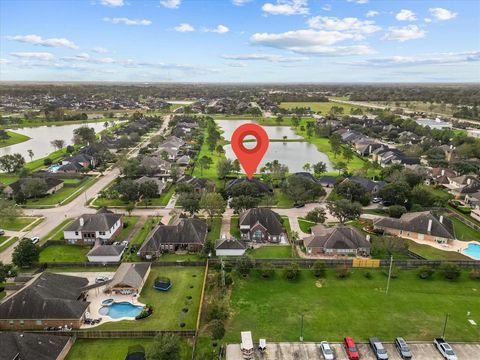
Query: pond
[41, 136]
[293, 154]
[273, 132]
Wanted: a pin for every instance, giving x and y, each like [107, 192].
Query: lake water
[41, 136]
[273, 132]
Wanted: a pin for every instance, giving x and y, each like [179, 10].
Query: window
[257, 234]
[38, 322]
[76, 233]
[102, 232]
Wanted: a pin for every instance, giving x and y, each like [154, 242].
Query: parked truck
[444, 348]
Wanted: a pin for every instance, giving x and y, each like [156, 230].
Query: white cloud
[85, 57]
[442, 14]
[287, 7]
[43, 56]
[112, 3]
[347, 24]
[327, 7]
[100, 50]
[311, 42]
[240, 2]
[359, 1]
[38, 40]
[220, 29]
[171, 4]
[372, 13]
[4, 61]
[409, 32]
[406, 15]
[184, 28]
[128, 21]
[264, 57]
[427, 20]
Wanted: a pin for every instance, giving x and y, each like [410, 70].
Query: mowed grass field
[356, 306]
[323, 107]
[15, 138]
[168, 306]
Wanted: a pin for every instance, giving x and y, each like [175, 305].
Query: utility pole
[301, 329]
[389, 274]
[445, 325]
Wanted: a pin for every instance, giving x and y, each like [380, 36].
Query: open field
[17, 224]
[15, 138]
[355, 306]
[168, 306]
[322, 107]
[64, 253]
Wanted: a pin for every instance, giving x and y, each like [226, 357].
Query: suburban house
[129, 277]
[476, 213]
[31, 346]
[49, 300]
[473, 200]
[327, 181]
[106, 253]
[78, 161]
[229, 246]
[370, 186]
[90, 228]
[339, 240]
[439, 176]
[389, 156]
[261, 188]
[262, 225]
[199, 185]
[422, 225]
[155, 165]
[181, 235]
[160, 184]
[53, 185]
[460, 186]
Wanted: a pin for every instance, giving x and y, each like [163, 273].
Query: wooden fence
[112, 334]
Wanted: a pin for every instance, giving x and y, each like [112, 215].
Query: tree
[217, 329]
[213, 203]
[425, 272]
[129, 208]
[243, 265]
[347, 154]
[4, 135]
[295, 120]
[307, 167]
[58, 144]
[353, 191]
[84, 135]
[319, 167]
[148, 190]
[164, 347]
[319, 269]
[243, 202]
[266, 270]
[396, 211]
[340, 166]
[224, 167]
[345, 210]
[205, 162]
[450, 271]
[396, 193]
[9, 211]
[33, 187]
[336, 144]
[292, 271]
[236, 166]
[30, 154]
[189, 202]
[11, 162]
[317, 215]
[6, 271]
[127, 189]
[302, 189]
[25, 253]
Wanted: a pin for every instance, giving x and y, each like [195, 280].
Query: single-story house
[49, 300]
[160, 184]
[83, 160]
[338, 240]
[261, 188]
[53, 185]
[181, 234]
[129, 277]
[31, 346]
[370, 186]
[262, 225]
[89, 228]
[199, 185]
[422, 225]
[106, 253]
[327, 181]
[155, 165]
[229, 246]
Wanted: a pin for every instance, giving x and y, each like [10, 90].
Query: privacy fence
[111, 334]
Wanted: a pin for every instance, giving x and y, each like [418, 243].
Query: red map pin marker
[249, 158]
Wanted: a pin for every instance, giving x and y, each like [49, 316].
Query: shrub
[217, 329]
[394, 272]
[228, 279]
[450, 271]
[47, 162]
[343, 272]
[318, 269]
[292, 271]
[425, 272]
[474, 274]
[396, 211]
[244, 265]
[267, 271]
[217, 312]
[368, 275]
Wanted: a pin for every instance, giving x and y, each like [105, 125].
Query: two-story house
[262, 225]
[90, 228]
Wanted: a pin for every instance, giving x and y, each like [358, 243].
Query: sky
[240, 40]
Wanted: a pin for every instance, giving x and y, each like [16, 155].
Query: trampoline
[162, 283]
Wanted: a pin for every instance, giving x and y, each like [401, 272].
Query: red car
[351, 348]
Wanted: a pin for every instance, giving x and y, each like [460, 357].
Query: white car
[327, 351]
[35, 239]
[2, 232]
[101, 279]
[124, 243]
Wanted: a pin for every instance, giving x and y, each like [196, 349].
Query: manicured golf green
[356, 306]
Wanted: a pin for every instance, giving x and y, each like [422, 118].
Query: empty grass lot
[167, 306]
[15, 138]
[356, 306]
[64, 253]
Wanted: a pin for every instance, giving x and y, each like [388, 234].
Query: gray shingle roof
[269, 219]
[50, 296]
[106, 250]
[130, 275]
[31, 346]
[339, 237]
[94, 222]
[229, 244]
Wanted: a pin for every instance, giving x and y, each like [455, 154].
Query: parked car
[403, 348]
[376, 200]
[298, 206]
[35, 239]
[124, 243]
[378, 349]
[327, 351]
[444, 348]
[116, 243]
[2, 232]
[351, 348]
[101, 279]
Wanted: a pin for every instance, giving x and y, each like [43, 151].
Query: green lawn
[463, 231]
[167, 306]
[359, 307]
[100, 202]
[6, 244]
[141, 235]
[214, 229]
[323, 107]
[15, 138]
[64, 253]
[8, 178]
[271, 252]
[431, 253]
[17, 224]
[162, 200]
[116, 349]
[39, 164]
[211, 172]
[57, 232]
[131, 221]
[234, 227]
[180, 257]
[305, 225]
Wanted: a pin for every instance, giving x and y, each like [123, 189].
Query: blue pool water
[121, 309]
[54, 168]
[473, 250]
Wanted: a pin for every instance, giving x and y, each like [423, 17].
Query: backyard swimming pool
[121, 310]
[473, 250]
